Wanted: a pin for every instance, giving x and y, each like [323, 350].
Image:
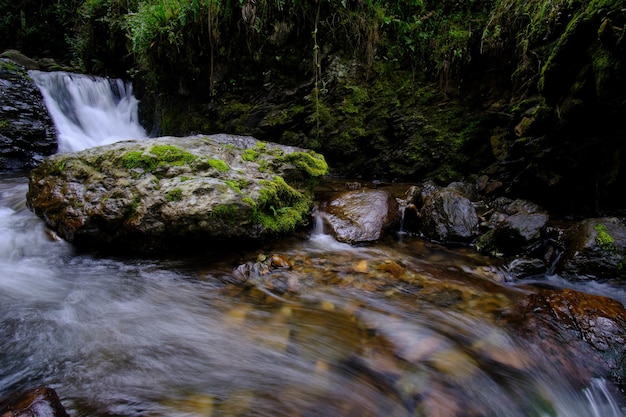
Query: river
[398, 328]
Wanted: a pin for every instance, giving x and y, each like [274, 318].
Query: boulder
[594, 248]
[447, 216]
[516, 228]
[360, 216]
[173, 193]
[39, 402]
[27, 134]
[592, 329]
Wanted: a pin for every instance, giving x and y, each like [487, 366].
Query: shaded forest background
[530, 93]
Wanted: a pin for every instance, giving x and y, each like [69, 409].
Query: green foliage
[37, 27]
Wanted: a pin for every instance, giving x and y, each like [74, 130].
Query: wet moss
[227, 213]
[219, 165]
[158, 156]
[280, 208]
[312, 163]
[603, 239]
[174, 195]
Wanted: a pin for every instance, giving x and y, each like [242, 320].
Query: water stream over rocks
[304, 326]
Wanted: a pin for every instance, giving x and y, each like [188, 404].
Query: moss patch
[312, 163]
[603, 239]
[158, 156]
[280, 207]
[219, 165]
[174, 195]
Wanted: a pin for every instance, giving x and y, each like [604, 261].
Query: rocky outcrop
[166, 193]
[592, 327]
[27, 134]
[361, 215]
[594, 248]
[448, 216]
[515, 227]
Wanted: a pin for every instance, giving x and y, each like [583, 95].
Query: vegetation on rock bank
[529, 92]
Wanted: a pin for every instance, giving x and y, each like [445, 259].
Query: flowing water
[399, 328]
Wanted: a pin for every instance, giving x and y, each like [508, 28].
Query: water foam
[89, 111]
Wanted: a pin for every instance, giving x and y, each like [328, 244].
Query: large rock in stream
[172, 193]
[360, 216]
[594, 249]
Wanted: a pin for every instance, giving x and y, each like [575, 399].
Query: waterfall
[89, 111]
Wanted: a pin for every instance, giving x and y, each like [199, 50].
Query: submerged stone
[169, 193]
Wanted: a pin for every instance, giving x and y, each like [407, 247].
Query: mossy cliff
[172, 193]
[528, 92]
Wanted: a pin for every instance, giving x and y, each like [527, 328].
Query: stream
[402, 327]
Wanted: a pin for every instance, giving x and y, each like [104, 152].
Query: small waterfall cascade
[89, 111]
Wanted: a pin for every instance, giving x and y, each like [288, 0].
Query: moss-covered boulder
[594, 249]
[158, 194]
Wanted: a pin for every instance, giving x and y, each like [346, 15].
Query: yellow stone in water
[239, 403]
[196, 404]
[361, 266]
[454, 363]
[327, 305]
[286, 311]
[321, 367]
[238, 314]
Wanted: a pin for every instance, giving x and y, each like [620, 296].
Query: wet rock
[40, 402]
[361, 216]
[170, 193]
[27, 134]
[516, 228]
[591, 327]
[595, 248]
[448, 216]
[524, 267]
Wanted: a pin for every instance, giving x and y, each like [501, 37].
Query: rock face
[361, 215]
[158, 194]
[448, 216]
[595, 248]
[517, 228]
[27, 134]
[594, 327]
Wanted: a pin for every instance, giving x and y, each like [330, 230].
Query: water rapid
[400, 328]
[89, 111]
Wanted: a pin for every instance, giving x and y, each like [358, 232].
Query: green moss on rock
[280, 207]
[312, 163]
[174, 195]
[158, 156]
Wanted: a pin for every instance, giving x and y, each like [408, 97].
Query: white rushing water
[89, 111]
